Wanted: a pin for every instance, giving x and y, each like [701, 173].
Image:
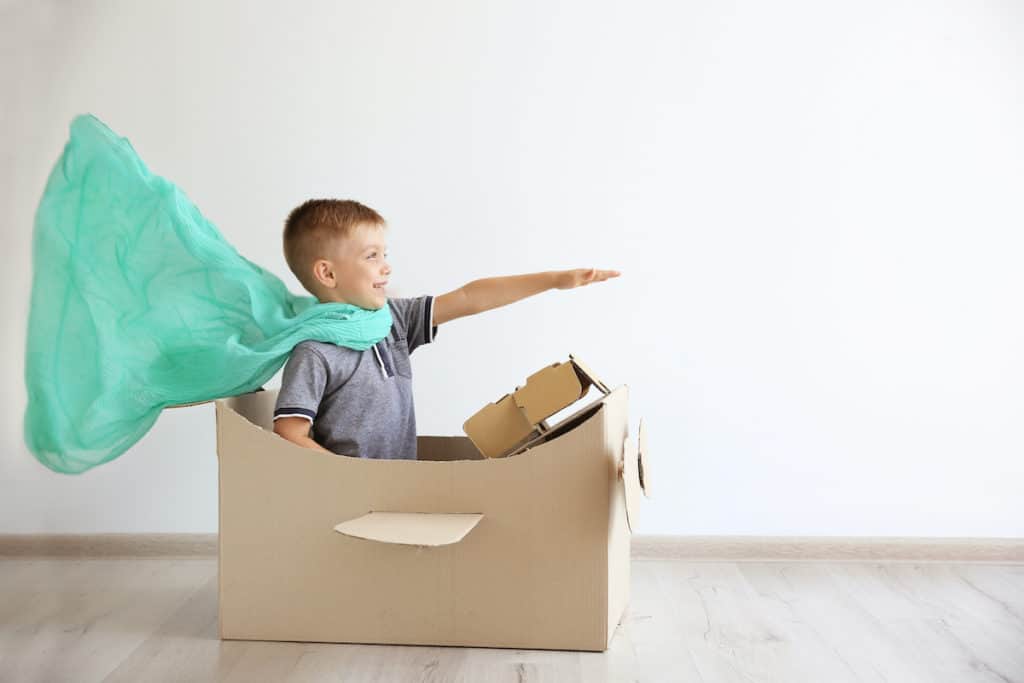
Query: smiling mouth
[380, 285]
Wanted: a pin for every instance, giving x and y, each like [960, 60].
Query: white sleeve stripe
[430, 320]
[293, 415]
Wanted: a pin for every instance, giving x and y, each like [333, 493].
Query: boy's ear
[323, 272]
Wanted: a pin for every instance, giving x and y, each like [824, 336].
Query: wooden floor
[154, 620]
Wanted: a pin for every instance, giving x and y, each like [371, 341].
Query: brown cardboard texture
[503, 427]
[530, 551]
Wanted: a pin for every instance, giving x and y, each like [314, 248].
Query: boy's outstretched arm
[483, 295]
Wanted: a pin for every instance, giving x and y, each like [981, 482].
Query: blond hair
[313, 228]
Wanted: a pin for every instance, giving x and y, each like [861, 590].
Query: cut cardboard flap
[500, 427]
[411, 528]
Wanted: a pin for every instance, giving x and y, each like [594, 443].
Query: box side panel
[617, 430]
[285, 574]
[532, 574]
[219, 407]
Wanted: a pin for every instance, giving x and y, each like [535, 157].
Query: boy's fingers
[602, 275]
[586, 276]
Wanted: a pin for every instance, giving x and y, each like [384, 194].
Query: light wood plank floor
[154, 620]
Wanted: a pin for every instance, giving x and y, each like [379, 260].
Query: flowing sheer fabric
[138, 303]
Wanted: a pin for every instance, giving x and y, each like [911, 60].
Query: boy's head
[337, 250]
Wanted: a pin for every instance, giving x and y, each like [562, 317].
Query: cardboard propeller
[634, 474]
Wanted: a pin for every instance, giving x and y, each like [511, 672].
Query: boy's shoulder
[411, 318]
[316, 359]
[312, 346]
[330, 354]
[402, 308]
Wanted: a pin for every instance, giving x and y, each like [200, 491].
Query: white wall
[816, 207]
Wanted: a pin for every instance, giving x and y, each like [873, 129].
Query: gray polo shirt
[359, 403]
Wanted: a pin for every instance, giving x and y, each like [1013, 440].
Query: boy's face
[356, 271]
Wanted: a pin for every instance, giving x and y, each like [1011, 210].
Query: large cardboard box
[524, 551]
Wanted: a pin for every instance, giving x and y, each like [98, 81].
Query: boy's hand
[567, 279]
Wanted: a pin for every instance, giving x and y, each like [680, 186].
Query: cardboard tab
[549, 390]
[589, 375]
[411, 528]
[498, 426]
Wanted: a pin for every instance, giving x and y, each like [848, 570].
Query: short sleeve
[302, 384]
[415, 316]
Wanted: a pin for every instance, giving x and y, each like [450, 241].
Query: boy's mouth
[380, 285]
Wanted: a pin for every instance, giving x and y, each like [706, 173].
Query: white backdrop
[816, 208]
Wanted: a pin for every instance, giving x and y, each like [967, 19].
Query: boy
[359, 403]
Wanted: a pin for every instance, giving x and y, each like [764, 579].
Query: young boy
[359, 403]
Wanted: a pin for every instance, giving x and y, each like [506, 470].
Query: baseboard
[108, 545]
[829, 549]
[689, 548]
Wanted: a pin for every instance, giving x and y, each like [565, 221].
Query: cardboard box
[523, 551]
